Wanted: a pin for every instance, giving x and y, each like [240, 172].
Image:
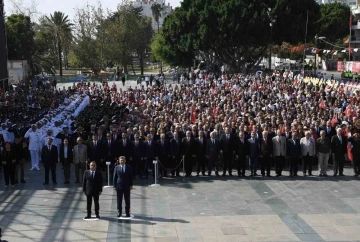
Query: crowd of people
[225, 123]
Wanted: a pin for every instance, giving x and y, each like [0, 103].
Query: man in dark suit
[253, 153]
[227, 150]
[66, 159]
[96, 152]
[266, 153]
[201, 153]
[150, 149]
[188, 147]
[329, 131]
[138, 156]
[162, 152]
[49, 156]
[123, 184]
[175, 156]
[92, 187]
[338, 149]
[110, 149]
[125, 147]
[212, 153]
[65, 135]
[294, 153]
[241, 151]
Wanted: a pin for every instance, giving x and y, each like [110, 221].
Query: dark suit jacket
[123, 180]
[266, 149]
[127, 150]
[49, 157]
[174, 147]
[328, 134]
[201, 147]
[112, 151]
[339, 149]
[162, 150]
[138, 151]
[241, 147]
[150, 150]
[212, 150]
[69, 153]
[92, 186]
[253, 148]
[227, 145]
[95, 153]
[188, 148]
[293, 151]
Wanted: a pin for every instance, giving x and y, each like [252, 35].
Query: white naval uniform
[34, 141]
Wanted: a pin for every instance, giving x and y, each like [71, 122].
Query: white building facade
[146, 6]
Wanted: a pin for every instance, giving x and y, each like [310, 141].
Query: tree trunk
[141, 61]
[59, 53]
[132, 67]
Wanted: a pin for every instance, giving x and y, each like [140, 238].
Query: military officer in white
[5, 133]
[34, 147]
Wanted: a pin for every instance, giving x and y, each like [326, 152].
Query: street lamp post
[316, 42]
[3, 49]
[272, 21]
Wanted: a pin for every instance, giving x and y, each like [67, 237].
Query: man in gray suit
[307, 152]
[79, 158]
[279, 152]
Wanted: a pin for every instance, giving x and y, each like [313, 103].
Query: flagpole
[306, 30]
[350, 25]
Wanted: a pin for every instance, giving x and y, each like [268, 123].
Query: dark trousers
[279, 164]
[120, 193]
[66, 166]
[164, 164]
[200, 163]
[188, 164]
[89, 199]
[48, 168]
[213, 162]
[253, 164]
[241, 165]
[147, 165]
[9, 174]
[356, 163]
[21, 166]
[228, 160]
[265, 162]
[294, 165]
[307, 163]
[339, 164]
[78, 167]
[175, 162]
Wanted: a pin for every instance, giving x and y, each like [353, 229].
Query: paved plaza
[203, 209]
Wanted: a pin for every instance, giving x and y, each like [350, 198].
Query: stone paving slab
[195, 209]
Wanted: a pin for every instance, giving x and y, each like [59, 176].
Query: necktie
[122, 169]
[213, 141]
[49, 147]
[265, 141]
[95, 143]
[124, 143]
[279, 140]
[93, 174]
[114, 136]
[109, 143]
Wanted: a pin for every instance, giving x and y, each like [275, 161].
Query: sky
[66, 6]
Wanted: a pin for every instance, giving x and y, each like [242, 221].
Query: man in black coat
[265, 153]
[125, 147]
[110, 149]
[188, 150]
[123, 184]
[227, 150]
[138, 156]
[329, 131]
[175, 156]
[212, 153]
[95, 152]
[92, 187]
[338, 149]
[150, 149]
[294, 153]
[49, 157]
[201, 153]
[241, 147]
[162, 152]
[66, 156]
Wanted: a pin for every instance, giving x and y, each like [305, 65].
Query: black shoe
[45, 183]
[251, 174]
[341, 175]
[203, 173]
[55, 183]
[278, 175]
[255, 174]
[128, 215]
[119, 214]
[98, 216]
[87, 217]
[310, 174]
[230, 174]
[325, 175]
[243, 175]
[209, 174]
[23, 181]
[356, 174]
[217, 173]
[198, 174]
[223, 174]
[268, 175]
[76, 182]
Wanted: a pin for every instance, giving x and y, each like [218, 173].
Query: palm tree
[60, 25]
[156, 10]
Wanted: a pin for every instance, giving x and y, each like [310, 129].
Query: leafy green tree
[61, 27]
[334, 21]
[157, 10]
[20, 37]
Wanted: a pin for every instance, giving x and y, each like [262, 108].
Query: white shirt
[34, 139]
